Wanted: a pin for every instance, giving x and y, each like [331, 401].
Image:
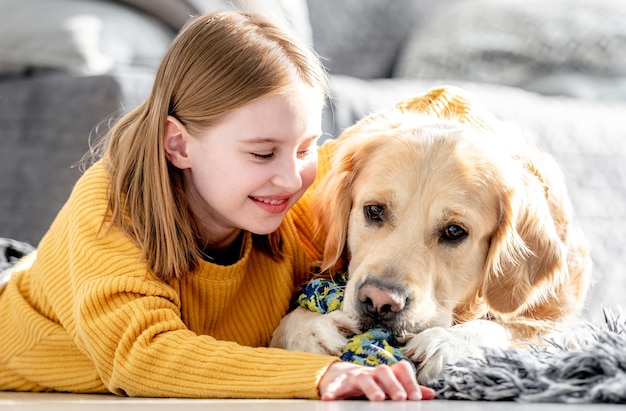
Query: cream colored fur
[453, 239]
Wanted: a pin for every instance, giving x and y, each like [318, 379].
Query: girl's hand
[344, 380]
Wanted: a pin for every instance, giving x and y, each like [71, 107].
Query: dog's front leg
[305, 330]
[432, 349]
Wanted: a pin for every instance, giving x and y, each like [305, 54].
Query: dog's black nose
[380, 302]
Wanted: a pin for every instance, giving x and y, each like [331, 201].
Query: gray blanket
[11, 251]
[594, 371]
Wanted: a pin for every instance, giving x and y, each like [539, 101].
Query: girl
[177, 254]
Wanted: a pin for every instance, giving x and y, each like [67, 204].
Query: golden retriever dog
[454, 237]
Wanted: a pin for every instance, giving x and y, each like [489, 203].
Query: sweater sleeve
[131, 330]
[128, 323]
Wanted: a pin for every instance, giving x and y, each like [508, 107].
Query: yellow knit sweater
[86, 314]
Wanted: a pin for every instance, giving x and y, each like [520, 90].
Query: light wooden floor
[75, 402]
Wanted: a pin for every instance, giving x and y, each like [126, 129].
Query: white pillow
[84, 37]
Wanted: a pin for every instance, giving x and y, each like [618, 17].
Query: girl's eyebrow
[259, 140]
[269, 140]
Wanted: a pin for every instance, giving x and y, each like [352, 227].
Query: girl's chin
[266, 229]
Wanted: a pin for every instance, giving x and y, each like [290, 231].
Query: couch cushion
[566, 47]
[84, 37]
[47, 122]
[173, 13]
[362, 38]
[293, 14]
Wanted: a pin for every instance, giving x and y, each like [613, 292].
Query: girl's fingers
[353, 385]
[426, 393]
[334, 390]
[405, 374]
[357, 382]
[396, 382]
[371, 387]
[387, 378]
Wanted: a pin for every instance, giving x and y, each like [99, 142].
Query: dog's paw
[434, 348]
[304, 330]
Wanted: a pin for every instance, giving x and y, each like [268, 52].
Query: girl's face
[247, 171]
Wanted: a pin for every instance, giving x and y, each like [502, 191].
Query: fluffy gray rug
[593, 371]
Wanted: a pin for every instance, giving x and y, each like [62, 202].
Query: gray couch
[560, 72]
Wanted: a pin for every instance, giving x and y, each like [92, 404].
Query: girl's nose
[287, 175]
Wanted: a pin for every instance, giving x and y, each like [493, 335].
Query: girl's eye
[263, 156]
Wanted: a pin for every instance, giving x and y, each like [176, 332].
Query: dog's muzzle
[380, 305]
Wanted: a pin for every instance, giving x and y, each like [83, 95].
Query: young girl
[177, 254]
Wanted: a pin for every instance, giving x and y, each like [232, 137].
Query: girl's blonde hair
[217, 63]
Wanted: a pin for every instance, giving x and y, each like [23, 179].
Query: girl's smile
[272, 205]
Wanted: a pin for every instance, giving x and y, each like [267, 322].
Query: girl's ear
[175, 142]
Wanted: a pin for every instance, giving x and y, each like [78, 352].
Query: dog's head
[432, 216]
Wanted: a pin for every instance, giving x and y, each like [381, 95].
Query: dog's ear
[525, 251]
[331, 207]
[332, 202]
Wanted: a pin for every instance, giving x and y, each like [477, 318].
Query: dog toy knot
[323, 296]
[371, 348]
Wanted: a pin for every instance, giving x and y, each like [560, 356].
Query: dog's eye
[453, 233]
[374, 212]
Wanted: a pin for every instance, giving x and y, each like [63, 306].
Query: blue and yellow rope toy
[373, 347]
